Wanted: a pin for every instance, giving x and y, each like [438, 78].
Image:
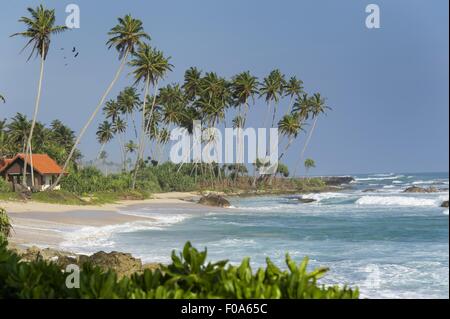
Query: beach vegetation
[5, 225]
[189, 276]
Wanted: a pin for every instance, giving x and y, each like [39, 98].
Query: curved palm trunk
[102, 100]
[305, 146]
[33, 124]
[142, 140]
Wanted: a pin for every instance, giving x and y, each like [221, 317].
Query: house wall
[17, 169]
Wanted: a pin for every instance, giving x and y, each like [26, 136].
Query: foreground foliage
[188, 276]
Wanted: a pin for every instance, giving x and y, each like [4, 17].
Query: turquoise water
[388, 243]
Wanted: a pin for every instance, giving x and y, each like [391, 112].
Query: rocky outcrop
[306, 200]
[337, 180]
[214, 200]
[416, 189]
[123, 264]
[445, 204]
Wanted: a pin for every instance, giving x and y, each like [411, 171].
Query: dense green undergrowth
[188, 276]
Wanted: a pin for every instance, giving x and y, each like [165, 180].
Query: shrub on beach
[170, 179]
[91, 180]
[5, 225]
[4, 186]
[188, 276]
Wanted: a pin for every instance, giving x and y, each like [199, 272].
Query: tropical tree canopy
[39, 29]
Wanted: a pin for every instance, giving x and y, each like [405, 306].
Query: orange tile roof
[42, 163]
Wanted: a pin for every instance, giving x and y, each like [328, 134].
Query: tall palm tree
[125, 36]
[317, 107]
[105, 133]
[290, 126]
[39, 29]
[149, 66]
[192, 81]
[119, 129]
[129, 101]
[112, 110]
[293, 89]
[244, 86]
[272, 89]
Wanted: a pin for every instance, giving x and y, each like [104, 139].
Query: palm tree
[289, 126]
[129, 101]
[112, 110]
[192, 81]
[19, 130]
[317, 107]
[244, 86]
[130, 148]
[119, 128]
[105, 133]
[125, 36]
[272, 89]
[309, 163]
[293, 89]
[39, 29]
[149, 66]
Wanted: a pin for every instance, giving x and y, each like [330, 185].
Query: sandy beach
[43, 224]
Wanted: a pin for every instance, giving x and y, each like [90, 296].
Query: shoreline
[45, 225]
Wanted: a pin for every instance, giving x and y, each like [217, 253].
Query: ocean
[388, 243]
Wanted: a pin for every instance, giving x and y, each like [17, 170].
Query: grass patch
[9, 196]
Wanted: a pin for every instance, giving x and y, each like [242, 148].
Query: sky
[388, 87]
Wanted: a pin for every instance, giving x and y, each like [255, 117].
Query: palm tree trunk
[305, 146]
[102, 100]
[142, 140]
[275, 109]
[33, 124]
[101, 150]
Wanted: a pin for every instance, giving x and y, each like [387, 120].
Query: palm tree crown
[40, 27]
[149, 64]
[126, 35]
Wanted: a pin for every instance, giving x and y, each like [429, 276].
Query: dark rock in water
[369, 190]
[416, 189]
[445, 204]
[306, 200]
[123, 264]
[214, 200]
[337, 180]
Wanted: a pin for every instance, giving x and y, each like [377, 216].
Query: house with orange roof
[44, 173]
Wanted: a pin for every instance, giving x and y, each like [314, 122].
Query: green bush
[4, 186]
[91, 180]
[171, 180]
[5, 225]
[188, 276]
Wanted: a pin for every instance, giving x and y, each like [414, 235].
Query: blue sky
[388, 87]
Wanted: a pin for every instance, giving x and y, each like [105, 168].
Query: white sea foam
[445, 212]
[360, 179]
[324, 196]
[383, 175]
[396, 201]
[89, 239]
